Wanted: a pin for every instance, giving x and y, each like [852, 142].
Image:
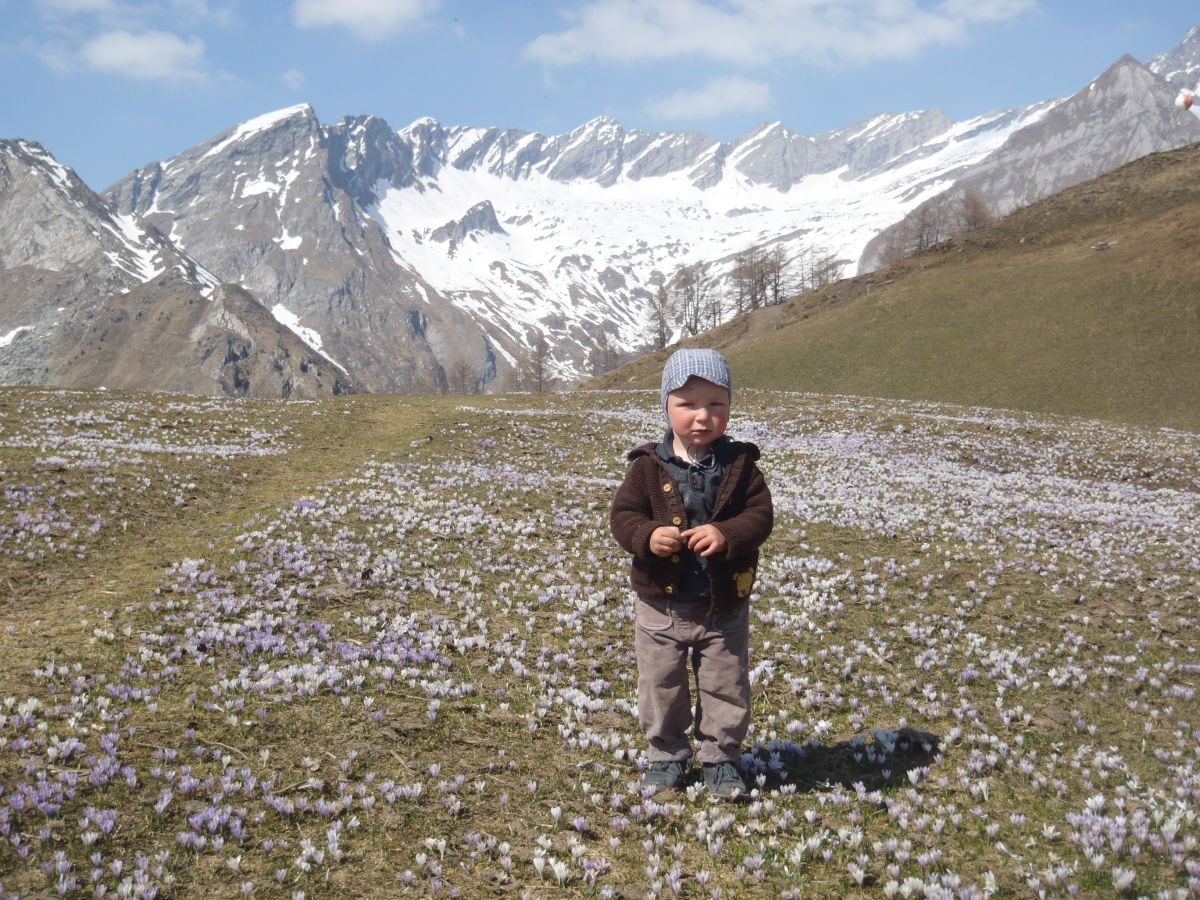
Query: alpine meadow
[381, 646]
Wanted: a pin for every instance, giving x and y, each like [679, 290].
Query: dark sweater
[650, 498]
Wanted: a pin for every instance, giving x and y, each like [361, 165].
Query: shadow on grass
[878, 761]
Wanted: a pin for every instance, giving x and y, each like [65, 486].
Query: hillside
[1085, 303]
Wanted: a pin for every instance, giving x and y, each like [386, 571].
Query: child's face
[698, 412]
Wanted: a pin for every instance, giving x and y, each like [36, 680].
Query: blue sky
[109, 85]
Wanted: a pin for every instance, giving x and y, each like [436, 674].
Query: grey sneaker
[664, 776]
[723, 780]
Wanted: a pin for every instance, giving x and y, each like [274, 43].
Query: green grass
[1017, 591]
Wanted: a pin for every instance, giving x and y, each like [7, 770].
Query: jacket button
[675, 558]
[669, 589]
[666, 489]
[677, 521]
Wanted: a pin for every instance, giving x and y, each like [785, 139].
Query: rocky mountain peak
[56, 222]
[480, 218]
[90, 297]
[280, 132]
[1125, 113]
[1180, 67]
[427, 142]
[364, 151]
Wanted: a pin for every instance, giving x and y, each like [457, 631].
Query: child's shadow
[877, 761]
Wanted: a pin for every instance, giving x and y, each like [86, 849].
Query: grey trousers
[669, 636]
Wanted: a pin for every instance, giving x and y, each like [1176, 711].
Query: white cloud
[150, 55]
[293, 78]
[75, 7]
[201, 11]
[760, 32]
[135, 39]
[716, 98]
[989, 11]
[370, 20]
[55, 55]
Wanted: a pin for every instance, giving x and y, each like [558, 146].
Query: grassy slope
[1024, 314]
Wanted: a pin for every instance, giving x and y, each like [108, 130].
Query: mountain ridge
[1081, 304]
[144, 313]
[589, 224]
[458, 258]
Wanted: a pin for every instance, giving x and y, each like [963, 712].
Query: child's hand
[706, 540]
[665, 540]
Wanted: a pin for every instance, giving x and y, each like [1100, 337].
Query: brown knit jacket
[649, 498]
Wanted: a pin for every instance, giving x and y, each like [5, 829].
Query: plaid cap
[683, 364]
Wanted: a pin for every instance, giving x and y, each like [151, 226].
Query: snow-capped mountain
[455, 257]
[281, 206]
[91, 297]
[1126, 113]
[419, 253]
[1180, 67]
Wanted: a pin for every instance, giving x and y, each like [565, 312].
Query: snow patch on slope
[140, 261]
[6, 339]
[564, 237]
[311, 337]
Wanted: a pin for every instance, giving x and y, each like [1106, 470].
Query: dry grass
[394, 653]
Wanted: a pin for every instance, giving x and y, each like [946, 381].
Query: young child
[693, 510]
